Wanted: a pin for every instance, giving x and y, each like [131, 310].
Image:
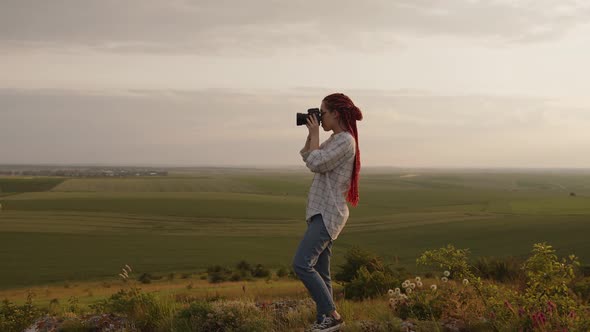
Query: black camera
[302, 117]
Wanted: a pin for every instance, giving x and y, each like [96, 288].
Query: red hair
[349, 115]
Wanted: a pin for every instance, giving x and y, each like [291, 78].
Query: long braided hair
[349, 115]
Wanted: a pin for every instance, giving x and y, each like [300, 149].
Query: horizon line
[272, 167]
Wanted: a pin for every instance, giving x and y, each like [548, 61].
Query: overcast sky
[441, 83]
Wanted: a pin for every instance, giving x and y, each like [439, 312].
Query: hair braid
[349, 115]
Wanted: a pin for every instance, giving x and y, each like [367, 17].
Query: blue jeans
[312, 265]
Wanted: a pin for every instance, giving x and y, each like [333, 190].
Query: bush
[368, 284]
[584, 270]
[142, 309]
[507, 269]
[145, 278]
[355, 259]
[221, 316]
[548, 278]
[17, 318]
[244, 266]
[582, 288]
[218, 273]
[260, 271]
[546, 302]
[244, 271]
[282, 272]
[365, 275]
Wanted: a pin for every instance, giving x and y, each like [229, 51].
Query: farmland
[54, 230]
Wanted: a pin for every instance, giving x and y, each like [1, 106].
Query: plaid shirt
[332, 164]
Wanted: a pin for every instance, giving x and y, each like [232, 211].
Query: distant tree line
[85, 172]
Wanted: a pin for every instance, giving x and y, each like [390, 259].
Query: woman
[336, 164]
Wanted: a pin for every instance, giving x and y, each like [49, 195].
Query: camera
[302, 117]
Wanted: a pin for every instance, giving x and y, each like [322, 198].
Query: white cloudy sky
[442, 83]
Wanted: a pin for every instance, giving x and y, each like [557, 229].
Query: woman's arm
[306, 147]
[305, 151]
[314, 142]
[332, 155]
[313, 138]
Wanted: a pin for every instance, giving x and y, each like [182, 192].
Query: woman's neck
[337, 130]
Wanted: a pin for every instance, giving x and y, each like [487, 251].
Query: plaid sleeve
[304, 154]
[331, 155]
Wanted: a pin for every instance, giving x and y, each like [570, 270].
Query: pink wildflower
[492, 315]
[551, 306]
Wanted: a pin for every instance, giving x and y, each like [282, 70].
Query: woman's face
[329, 118]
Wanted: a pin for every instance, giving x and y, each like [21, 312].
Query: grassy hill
[53, 229]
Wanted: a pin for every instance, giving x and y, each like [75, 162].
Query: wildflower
[538, 319]
[404, 296]
[390, 292]
[444, 279]
[418, 279]
[412, 285]
[465, 282]
[406, 284]
[392, 301]
[397, 291]
[551, 306]
[433, 287]
[409, 290]
[70, 315]
[419, 284]
[447, 273]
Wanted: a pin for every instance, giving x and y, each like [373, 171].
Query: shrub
[142, 309]
[582, 288]
[508, 269]
[451, 259]
[367, 284]
[145, 278]
[218, 273]
[260, 271]
[282, 272]
[548, 278]
[16, 318]
[584, 270]
[221, 316]
[244, 271]
[244, 266]
[545, 303]
[355, 259]
[365, 275]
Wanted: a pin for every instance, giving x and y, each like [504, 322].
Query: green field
[59, 229]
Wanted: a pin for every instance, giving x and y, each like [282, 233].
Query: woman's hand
[313, 126]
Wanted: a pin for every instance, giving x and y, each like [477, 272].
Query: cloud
[257, 127]
[261, 27]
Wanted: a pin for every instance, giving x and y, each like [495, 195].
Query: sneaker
[329, 324]
[315, 325]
